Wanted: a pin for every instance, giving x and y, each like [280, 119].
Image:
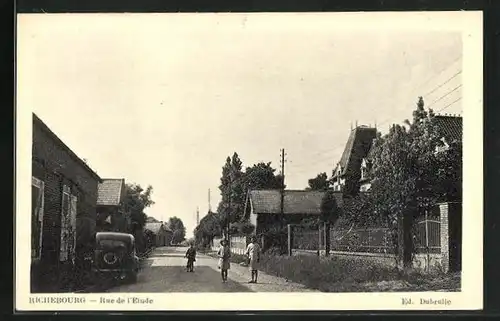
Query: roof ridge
[344, 170]
[72, 154]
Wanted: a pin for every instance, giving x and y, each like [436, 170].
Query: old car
[115, 256]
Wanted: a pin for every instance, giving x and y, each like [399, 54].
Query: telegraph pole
[209, 202]
[197, 216]
[282, 160]
[282, 194]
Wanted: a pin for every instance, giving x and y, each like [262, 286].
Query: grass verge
[351, 274]
[345, 274]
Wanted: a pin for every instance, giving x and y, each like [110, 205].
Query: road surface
[164, 271]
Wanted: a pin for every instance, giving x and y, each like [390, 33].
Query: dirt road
[164, 271]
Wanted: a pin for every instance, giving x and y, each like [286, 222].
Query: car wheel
[111, 259]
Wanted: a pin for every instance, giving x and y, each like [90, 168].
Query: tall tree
[320, 182]
[225, 188]
[177, 226]
[137, 199]
[232, 190]
[408, 176]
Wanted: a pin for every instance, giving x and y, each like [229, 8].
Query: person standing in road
[191, 258]
[224, 259]
[253, 254]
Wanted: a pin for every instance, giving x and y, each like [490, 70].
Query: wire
[433, 77]
[449, 104]
[387, 120]
[447, 81]
[439, 73]
[445, 95]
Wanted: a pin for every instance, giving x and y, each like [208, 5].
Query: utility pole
[282, 194]
[197, 216]
[282, 160]
[209, 202]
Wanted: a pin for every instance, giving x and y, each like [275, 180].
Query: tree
[330, 212]
[261, 176]
[232, 192]
[136, 200]
[319, 183]
[234, 187]
[176, 225]
[178, 237]
[408, 176]
[207, 229]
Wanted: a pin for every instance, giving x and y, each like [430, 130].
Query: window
[37, 200]
[68, 225]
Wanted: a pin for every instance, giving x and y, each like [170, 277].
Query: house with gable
[347, 174]
[449, 128]
[366, 167]
[162, 234]
[263, 208]
[110, 216]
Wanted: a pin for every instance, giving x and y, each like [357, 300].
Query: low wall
[420, 261]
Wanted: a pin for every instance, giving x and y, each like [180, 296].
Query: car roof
[114, 235]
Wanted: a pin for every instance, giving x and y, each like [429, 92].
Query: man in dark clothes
[191, 256]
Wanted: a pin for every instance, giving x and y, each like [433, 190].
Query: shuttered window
[37, 202]
[68, 225]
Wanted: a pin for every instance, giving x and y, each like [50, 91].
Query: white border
[471, 296]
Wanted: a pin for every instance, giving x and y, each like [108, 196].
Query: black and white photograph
[193, 161]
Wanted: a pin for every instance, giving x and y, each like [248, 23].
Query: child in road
[253, 254]
[224, 254]
[191, 258]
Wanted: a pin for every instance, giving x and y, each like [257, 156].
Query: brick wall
[451, 235]
[55, 165]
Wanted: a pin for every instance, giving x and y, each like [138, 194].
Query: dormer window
[442, 147]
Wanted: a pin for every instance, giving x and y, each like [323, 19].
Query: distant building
[110, 217]
[263, 207]
[162, 235]
[64, 196]
[347, 174]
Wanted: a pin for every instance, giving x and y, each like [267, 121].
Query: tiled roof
[155, 227]
[450, 127]
[357, 147]
[110, 192]
[295, 202]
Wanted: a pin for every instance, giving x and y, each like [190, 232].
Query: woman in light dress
[253, 254]
[224, 254]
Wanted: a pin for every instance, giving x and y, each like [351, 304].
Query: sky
[162, 100]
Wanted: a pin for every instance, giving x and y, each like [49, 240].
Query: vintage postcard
[220, 161]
